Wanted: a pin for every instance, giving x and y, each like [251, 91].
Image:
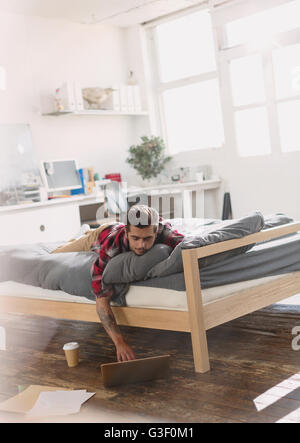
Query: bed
[194, 310]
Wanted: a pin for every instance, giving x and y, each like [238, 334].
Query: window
[263, 58]
[286, 65]
[289, 127]
[264, 25]
[248, 88]
[247, 80]
[186, 47]
[240, 61]
[188, 83]
[193, 116]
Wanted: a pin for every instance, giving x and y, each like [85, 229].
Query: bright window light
[276, 396]
[247, 80]
[186, 47]
[193, 117]
[259, 28]
[286, 62]
[252, 132]
[289, 127]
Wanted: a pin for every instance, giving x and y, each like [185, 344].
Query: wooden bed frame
[199, 317]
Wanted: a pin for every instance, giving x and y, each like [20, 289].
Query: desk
[184, 206]
[48, 221]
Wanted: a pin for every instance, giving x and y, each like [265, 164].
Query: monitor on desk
[61, 175]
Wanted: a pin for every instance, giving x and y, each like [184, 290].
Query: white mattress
[146, 297]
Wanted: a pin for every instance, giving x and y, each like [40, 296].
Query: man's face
[141, 239]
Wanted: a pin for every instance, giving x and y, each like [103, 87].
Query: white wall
[268, 183]
[38, 55]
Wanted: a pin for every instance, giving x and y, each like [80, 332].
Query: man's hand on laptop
[124, 351]
[107, 318]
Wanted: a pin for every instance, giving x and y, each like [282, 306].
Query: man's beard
[141, 251]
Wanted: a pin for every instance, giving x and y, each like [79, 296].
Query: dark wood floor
[255, 374]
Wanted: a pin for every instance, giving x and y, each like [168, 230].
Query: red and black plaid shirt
[113, 241]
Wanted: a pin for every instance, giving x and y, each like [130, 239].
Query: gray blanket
[72, 272]
[34, 265]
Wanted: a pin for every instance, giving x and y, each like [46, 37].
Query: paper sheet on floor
[35, 402]
[59, 403]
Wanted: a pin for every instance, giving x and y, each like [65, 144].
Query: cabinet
[42, 222]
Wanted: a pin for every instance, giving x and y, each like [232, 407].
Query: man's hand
[124, 352]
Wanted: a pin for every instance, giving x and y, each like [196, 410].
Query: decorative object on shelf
[95, 97]
[65, 97]
[59, 107]
[131, 78]
[180, 175]
[148, 158]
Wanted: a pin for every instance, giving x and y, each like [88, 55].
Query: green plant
[148, 158]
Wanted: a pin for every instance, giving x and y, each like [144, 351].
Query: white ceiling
[114, 12]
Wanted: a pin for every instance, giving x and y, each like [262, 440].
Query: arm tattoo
[108, 320]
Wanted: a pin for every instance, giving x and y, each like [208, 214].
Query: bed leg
[195, 306]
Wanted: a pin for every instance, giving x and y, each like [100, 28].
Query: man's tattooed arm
[107, 318]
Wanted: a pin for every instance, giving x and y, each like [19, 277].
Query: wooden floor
[255, 374]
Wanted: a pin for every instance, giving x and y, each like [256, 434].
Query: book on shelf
[130, 98]
[137, 98]
[123, 98]
[79, 103]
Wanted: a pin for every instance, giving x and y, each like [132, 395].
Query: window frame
[220, 15]
[158, 87]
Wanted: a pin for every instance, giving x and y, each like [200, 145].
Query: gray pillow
[162, 261]
[129, 267]
[227, 230]
[273, 220]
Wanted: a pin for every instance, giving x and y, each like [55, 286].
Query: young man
[143, 229]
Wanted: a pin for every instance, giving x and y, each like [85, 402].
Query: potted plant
[148, 158]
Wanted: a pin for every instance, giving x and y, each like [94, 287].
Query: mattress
[140, 297]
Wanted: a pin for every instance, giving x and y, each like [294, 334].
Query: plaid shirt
[113, 241]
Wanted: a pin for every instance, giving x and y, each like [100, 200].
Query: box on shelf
[114, 177]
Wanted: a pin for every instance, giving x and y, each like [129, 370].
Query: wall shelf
[99, 112]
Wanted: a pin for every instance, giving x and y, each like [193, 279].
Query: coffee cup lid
[70, 346]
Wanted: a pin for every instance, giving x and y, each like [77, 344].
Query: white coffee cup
[72, 354]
